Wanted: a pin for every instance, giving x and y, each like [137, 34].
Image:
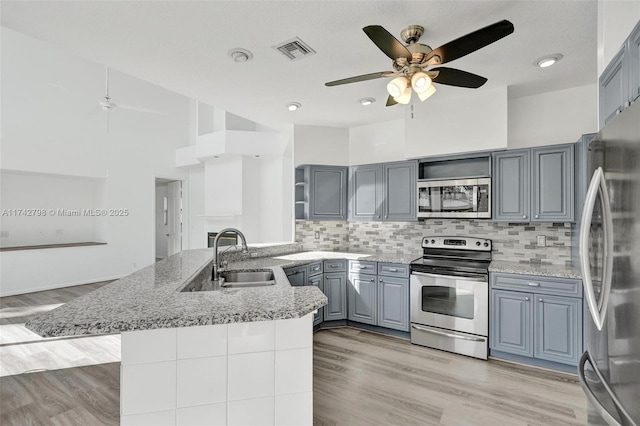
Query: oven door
[457, 303]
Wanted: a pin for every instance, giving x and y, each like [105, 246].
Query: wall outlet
[59, 231]
[4, 234]
[542, 241]
[317, 235]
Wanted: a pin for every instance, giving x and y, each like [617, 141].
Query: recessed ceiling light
[240, 55]
[366, 101]
[549, 60]
[292, 106]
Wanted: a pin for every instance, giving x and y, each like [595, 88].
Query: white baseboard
[60, 285]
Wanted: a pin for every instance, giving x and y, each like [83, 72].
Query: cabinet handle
[537, 216]
[378, 216]
[372, 280]
[526, 299]
[524, 216]
[540, 300]
[386, 216]
[316, 268]
[393, 269]
[534, 284]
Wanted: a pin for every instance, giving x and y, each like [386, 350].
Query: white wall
[320, 145]
[447, 125]
[551, 118]
[377, 143]
[51, 123]
[616, 19]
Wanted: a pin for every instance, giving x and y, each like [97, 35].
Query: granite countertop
[151, 298]
[535, 269]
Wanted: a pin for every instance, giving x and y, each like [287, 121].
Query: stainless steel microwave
[463, 198]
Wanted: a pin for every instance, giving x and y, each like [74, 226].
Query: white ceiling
[183, 46]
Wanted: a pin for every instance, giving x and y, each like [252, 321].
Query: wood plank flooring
[360, 378]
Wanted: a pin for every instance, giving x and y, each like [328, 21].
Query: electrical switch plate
[317, 235]
[542, 241]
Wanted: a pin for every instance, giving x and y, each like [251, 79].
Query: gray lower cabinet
[317, 280]
[544, 324]
[383, 192]
[298, 275]
[534, 185]
[393, 302]
[362, 294]
[335, 288]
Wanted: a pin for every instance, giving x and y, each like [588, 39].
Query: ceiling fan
[410, 62]
[107, 104]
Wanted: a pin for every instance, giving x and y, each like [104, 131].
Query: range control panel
[459, 243]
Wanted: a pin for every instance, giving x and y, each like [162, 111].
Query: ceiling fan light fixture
[548, 60]
[427, 93]
[405, 97]
[397, 87]
[420, 82]
[293, 106]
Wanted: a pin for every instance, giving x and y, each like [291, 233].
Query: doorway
[168, 217]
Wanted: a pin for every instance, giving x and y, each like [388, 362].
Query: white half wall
[551, 118]
[377, 143]
[51, 123]
[320, 145]
[451, 125]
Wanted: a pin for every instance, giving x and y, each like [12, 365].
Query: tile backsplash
[514, 242]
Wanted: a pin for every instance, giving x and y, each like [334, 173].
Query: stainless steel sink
[260, 278]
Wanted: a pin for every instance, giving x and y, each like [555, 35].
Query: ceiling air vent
[294, 49]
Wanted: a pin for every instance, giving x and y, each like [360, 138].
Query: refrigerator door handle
[597, 308]
[597, 405]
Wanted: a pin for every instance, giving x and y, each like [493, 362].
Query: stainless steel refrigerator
[610, 261]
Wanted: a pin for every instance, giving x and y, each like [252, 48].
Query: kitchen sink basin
[247, 278]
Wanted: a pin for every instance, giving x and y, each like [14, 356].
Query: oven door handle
[453, 277]
[444, 333]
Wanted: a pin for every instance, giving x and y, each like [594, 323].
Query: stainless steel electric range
[450, 295]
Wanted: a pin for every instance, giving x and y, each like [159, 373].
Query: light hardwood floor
[360, 378]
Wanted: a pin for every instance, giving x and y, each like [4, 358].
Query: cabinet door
[400, 191]
[318, 282]
[335, 288]
[362, 293]
[511, 183]
[553, 183]
[511, 324]
[298, 276]
[328, 194]
[634, 64]
[558, 328]
[393, 303]
[613, 87]
[365, 192]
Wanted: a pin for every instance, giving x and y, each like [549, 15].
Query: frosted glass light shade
[405, 97]
[420, 82]
[397, 86]
[426, 94]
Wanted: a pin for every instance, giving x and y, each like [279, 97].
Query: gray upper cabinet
[321, 193]
[511, 322]
[393, 302]
[619, 84]
[558, 328]
[365, 192]
[385, 192]
[534, 185]
[362, 293]
[553, 183]
[511, 185]
[400, 191]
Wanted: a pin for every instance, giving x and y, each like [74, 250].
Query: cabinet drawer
[339, 265]
[537, 284]
[393, 270]
[363, 267]
[315, 268]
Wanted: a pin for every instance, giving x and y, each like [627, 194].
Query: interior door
[175, 217]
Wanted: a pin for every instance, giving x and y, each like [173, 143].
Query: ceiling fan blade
[454, 77]
[391, 101]
[140, 109]
[358, 78]
[470, 43]
[386, 42]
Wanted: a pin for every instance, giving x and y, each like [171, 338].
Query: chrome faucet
[218, 263]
